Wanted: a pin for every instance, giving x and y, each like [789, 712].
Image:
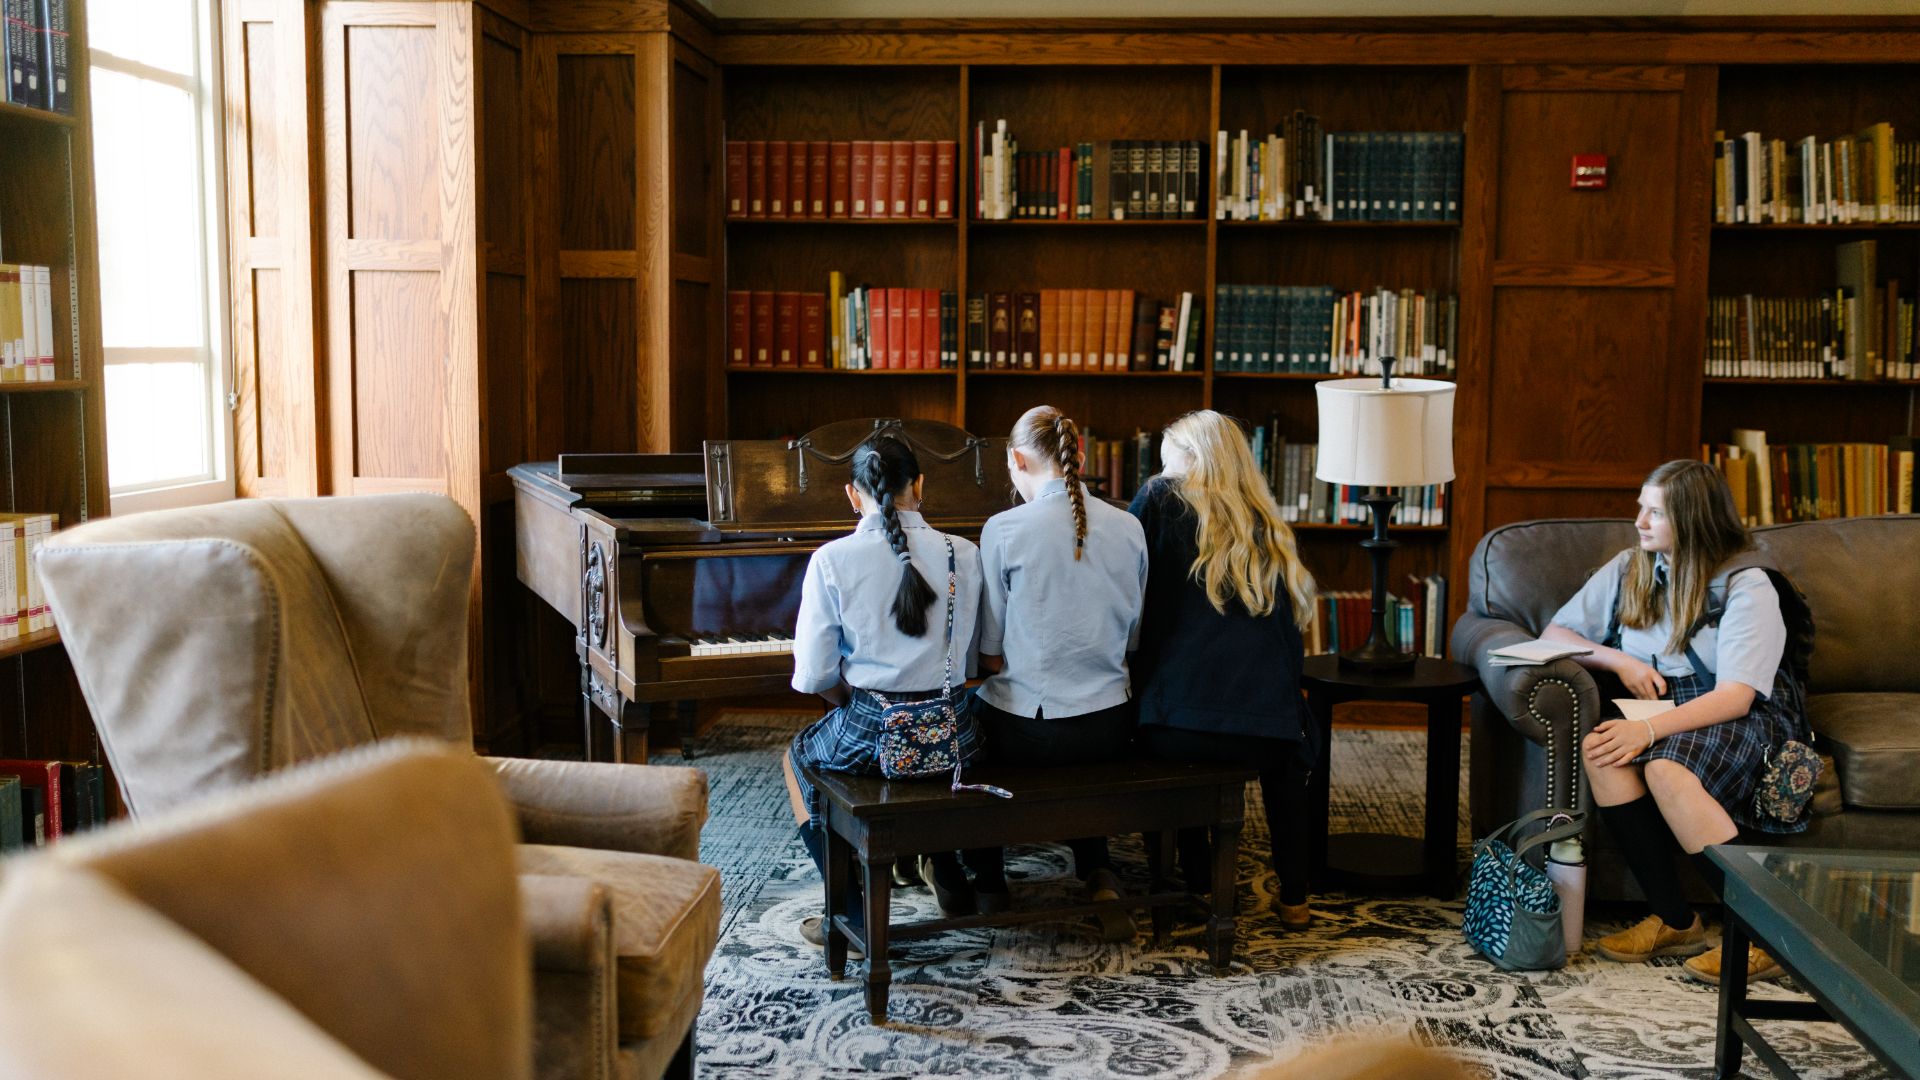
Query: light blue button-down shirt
[845, 628]
[1064, 626]
[1745, 648]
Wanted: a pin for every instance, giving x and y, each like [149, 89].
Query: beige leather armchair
[216, 644]
[356, 917]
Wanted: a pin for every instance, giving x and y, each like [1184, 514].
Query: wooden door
[1592, 301]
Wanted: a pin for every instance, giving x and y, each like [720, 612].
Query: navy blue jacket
[1197, 669]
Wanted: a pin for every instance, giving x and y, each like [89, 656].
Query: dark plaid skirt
[1729, 757]
[848, 740]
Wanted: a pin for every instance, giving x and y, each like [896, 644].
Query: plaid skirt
[1729, 757]
[848, 740]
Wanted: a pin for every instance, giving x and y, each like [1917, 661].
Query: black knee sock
[947, 871]
[816, 845]
[1709, 871]
[1285, 794]
[989, 866]
[1644, 838]
[1090, 854]
[1195, 850]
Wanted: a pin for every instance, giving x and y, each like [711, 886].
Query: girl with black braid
[871, 620]
[1066, 575]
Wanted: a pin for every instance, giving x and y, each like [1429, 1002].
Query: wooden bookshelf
[52, 434]
[1796, 259]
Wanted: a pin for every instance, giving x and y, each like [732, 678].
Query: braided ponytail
[1047, 433]
[883, 467]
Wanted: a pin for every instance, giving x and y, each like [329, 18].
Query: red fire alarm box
[1589, 172]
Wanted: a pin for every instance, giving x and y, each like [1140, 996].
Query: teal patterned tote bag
[1513, 914]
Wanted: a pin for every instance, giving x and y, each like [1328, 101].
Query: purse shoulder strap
[953, 587]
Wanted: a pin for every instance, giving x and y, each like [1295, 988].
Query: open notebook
[1537, 651]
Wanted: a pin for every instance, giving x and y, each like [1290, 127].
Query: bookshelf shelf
[1001, 373]
[35, 641]
[836, 223]
[1311, 224]
[1090, 223]
[1801, 227]
[948, 372]
[1429, 531]
[55, 387]
[1316, 376]
[10, 113]
[1724, 380]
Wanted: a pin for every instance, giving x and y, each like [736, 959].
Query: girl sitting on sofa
[1688, 774]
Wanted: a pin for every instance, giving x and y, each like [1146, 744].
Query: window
[156, 168]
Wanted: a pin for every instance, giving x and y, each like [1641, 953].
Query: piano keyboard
[741, 645]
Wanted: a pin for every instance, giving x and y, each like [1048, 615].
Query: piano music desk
[870, 820]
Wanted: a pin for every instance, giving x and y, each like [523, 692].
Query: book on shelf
[1100, 180]
[824, 180]
[43, 801]
[1865, 177]
[1318, 330]
[1087, 330]
[1303, 499]
[13, 834]
[1296, 172]
[23, 603]
[1861, 329]
[24, 46]
[26, 323]
[1414, 623]
[1814, 481]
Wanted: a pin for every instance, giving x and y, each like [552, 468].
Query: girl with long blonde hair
[1217, 676]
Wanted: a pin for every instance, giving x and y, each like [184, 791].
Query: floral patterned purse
[1786, 784]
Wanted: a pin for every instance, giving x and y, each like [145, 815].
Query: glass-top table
[1846, 926]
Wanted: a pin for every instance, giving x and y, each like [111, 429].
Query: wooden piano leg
[630, 732]
[689, 716]
[590, 729]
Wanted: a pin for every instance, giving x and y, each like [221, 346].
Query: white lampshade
[1376, 437]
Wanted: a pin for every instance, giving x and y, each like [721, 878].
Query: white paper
[1641, 708]
[1537, 651]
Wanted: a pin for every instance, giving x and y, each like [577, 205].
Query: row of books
[1107, 180]
[1861, 329]
[42, 801]
[1315, 329]
[861, 329]
[1115, 468]
[1813, 481]
[23, 603]
[859, 178]
[1866, 177]
[26, 323]
[1294, 173]
[1288, 467]
[1414, 623]
[1083, 330]
[38, 53]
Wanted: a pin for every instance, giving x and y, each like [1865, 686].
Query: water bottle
[1567, 869]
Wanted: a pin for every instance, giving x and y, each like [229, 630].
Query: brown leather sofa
[217, 644]
[1861, 577]
[357, 917]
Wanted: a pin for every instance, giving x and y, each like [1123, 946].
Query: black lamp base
[1378, 654]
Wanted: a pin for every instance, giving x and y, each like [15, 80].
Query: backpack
[1798, 657]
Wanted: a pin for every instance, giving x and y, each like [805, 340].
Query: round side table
[1377, 861]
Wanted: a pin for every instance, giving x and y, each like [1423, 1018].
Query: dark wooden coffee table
[871, 821]
[1846, 926]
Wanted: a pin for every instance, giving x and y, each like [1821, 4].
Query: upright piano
[681, 573]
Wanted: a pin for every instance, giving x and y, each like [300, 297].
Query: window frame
[204, 87]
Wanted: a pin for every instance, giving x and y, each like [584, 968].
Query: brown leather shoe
[1651, 937]
[1760, 967]
[1293, 916]
[813, 931]
[1116, 924]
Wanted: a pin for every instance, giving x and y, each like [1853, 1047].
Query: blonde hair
[1046, 431]
[1706, 532]
[1246, 550]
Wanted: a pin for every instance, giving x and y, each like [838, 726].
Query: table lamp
[1378, 434]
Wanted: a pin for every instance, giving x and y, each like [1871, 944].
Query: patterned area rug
[1051, 1000]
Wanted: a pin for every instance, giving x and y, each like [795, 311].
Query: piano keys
[681, 573]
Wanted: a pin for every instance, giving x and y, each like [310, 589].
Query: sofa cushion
[1863, 637]
[1523, 572]
[97, 984]
[666, 921]
[1875, 743]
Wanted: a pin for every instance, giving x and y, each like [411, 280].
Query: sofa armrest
[570, 925]
[1535, 699]
[649, 809]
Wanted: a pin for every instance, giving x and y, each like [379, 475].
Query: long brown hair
[1246, 550]
[1706, 532]
[1046, 431]
[885, 468]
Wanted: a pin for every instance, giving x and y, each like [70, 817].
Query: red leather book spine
[737, 194]
[860, 174]
[930, 352]
[813, 330]
[840, 179]
[762, 329]
[915, 322]
[777, 178]
[739, 328]
[797, 171]
[817, 158]
[897, 319]
[46, 776]
[786, 329]
[945, 154]
[882, 180]
[921, 195]
[879, 328]
[1063, 184]
[901, 180]
[757, 178]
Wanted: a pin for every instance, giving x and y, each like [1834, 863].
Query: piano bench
[870, 820]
